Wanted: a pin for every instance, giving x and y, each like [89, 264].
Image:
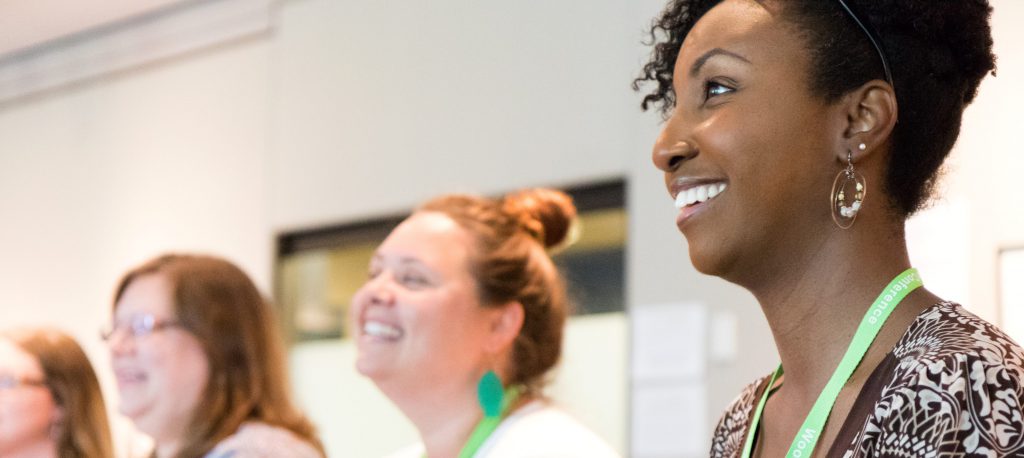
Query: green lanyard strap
[487, 425]
[809, 433]
[481, 433]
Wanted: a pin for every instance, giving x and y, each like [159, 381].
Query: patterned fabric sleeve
[731, 431]
[957, 392]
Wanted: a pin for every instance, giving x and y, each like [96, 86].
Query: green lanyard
[809, 433]
[487, 425]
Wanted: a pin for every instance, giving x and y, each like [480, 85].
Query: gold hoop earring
[848, 193]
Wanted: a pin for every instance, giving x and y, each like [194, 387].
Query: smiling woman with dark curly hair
[773, 105]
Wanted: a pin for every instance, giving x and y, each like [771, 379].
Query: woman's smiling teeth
[130, 376]
[698, 194]
[382, 330]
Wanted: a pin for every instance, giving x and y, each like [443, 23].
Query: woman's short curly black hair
[939, 50]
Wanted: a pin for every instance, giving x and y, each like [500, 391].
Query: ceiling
[28, 23]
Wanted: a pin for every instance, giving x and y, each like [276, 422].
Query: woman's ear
[506, 322]
[871, 113]
[57, 422]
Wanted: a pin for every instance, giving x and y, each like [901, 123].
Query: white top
[536, 430]
[260, 440]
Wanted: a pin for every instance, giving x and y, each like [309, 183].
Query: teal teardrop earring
[490, 393]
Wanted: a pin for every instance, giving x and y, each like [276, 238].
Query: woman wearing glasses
[461, 320]
[50, 399]
[800, 136]
[199, 363]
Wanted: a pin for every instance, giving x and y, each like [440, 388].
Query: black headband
[874, 42]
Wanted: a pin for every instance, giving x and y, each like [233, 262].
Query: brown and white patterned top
[953, 386]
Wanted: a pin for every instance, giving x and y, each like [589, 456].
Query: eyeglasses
[138, 326]
[10, 382]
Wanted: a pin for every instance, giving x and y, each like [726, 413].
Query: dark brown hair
[84, 431]
[218, 303]
[510, 264]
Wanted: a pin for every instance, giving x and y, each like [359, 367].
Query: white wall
[353, 109]
[990, 160]
[380, 104]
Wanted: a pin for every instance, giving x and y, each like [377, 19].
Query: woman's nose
[382, 296]
[379, 290]
[119, 341]
[670, 150]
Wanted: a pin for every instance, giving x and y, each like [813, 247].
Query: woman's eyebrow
[409, 260]
[703, 59]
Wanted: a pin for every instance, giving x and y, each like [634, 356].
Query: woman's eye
[713, 89]
[413, 279]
